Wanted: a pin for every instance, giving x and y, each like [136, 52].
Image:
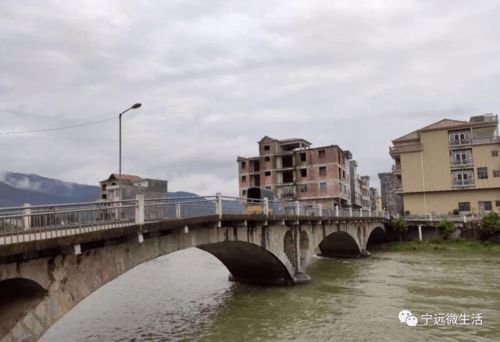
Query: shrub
[398, 224]
[490, 223]
[456, 211]
[446, 227]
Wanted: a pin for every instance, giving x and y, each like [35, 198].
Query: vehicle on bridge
[255, 199]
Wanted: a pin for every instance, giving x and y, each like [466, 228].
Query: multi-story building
[295, 171]
[360, 187]
[450, 165]
[375, 199]
[390, 192]
[125, 187]
[365, 192]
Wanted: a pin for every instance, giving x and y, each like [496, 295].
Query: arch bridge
[52, 257]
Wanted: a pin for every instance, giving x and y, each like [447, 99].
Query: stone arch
[17, 297]
[340, 244]
[376, 236]
[249, 263]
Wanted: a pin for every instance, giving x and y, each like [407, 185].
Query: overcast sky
[216, 76]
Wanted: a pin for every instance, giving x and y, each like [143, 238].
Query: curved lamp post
[135, 106]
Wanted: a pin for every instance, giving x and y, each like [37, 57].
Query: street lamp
[135, 106]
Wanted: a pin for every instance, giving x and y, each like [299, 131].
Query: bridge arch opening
[17, 297]
[339, 244]
[250, 263]
[377, 236]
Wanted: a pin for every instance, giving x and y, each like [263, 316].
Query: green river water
[186, 296]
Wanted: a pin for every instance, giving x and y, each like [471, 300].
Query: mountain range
[19, 188]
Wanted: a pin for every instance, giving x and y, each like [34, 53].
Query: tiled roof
[409, 136]
[445, 123]
[124, 177]
[441, 124]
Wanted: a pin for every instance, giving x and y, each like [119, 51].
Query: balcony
[459, 143]
[486, 140]
[460, 164]
[463, 183]
[402, 148]
[396, 169]
[398, 189]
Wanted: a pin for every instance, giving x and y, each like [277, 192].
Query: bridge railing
[178, 208]
[28, 223]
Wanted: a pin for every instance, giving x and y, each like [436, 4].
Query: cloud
[214, 77]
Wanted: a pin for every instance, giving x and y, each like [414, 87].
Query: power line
[58, 128]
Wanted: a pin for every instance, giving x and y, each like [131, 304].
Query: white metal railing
[461, 162]
[462, 182]
[29, 223]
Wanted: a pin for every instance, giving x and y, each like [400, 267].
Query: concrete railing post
[139, 209]
[297, 208]
[218, 204]
[465, 219]
[178, 211]
[320, 210]
[27, 216]
[337, 211]
[420, 232]
[350, 211]
[360, 212]
[265, 206]
[370, 212]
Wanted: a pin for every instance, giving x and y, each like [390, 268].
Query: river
[186, 296]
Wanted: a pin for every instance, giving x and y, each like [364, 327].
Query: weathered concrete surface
[269, 252]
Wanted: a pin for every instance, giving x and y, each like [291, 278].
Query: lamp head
[135, 106]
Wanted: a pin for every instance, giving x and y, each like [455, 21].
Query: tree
[399, 225]
[446, 227]
[490, 223]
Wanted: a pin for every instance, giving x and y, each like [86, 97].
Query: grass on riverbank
[443, 245]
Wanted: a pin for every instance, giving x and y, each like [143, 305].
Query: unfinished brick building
[295, 171]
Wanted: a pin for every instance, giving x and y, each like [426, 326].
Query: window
[243, 192]
[267, 147]
[302, 157]
[268, 188]
[267, 173]
[243, 164]
[482, 172]
[303, 172]
[496, 173]
[343, 174]
[494, 153]
[322, 170]
[243, 179]
[303, 187]
[321, 154]
[485, 206]
[497, 203]
[322, 186]
[464, 206]
[267, 158]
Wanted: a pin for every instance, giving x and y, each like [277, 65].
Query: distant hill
[19, 188]
[13, 197]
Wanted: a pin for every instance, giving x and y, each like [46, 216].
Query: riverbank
[442, 245]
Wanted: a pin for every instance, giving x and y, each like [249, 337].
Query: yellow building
[450, 165]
